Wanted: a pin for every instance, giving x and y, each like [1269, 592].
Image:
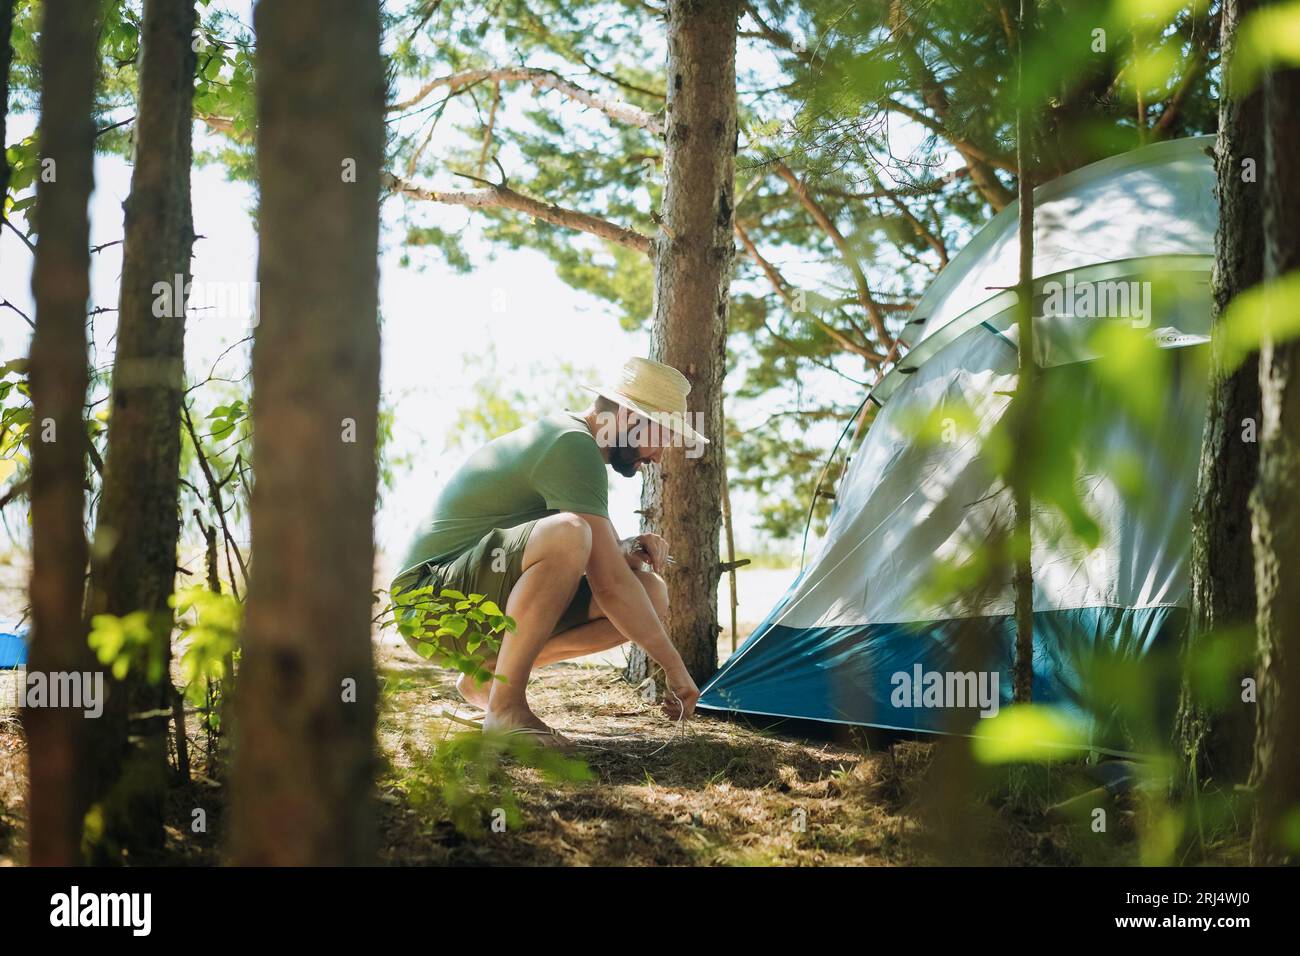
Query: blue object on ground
[13, 649]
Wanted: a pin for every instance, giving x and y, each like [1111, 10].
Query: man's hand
[627, 606]
[646, 548]
[680, 696]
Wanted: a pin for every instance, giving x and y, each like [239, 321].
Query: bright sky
[514, 302]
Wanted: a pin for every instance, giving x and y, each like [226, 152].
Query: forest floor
[713, 791]
[642, 790]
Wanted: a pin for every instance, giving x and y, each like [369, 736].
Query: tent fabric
[1149, 210]
[845, 674]
[863, 611]
[1061, 339]
[1152, 202]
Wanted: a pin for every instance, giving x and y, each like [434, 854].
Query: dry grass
[13, 776]
[708, 792]
[712, 792]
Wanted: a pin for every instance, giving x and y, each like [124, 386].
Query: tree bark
[56, 736]
[1213, 742]
[1275, 504]
[1024, 402]
[133, 559]
[6, 57]
[305, 710]
[694, 252]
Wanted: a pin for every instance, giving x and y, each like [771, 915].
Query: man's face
[638, 441]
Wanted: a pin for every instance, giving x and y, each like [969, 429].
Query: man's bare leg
[598, 634]
[553, 562]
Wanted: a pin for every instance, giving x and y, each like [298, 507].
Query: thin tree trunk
[6, 57]
[1024, 402]
[133, 561]
[56, 736]
[305, 710]
[693, 257]
[1275, 504]
[1216, 742]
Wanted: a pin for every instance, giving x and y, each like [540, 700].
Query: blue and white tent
[858, 616]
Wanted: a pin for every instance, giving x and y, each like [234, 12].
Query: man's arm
[628, 608]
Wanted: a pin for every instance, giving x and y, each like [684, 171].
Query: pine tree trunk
[56, 736]
[305, 711]
[1275, 505]
[133, 559]
[1216, 743]
[693, 257]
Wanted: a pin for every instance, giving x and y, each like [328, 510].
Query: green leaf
[1026, 733]
[1269, 311]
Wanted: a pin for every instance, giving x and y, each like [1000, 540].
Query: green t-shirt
[551, 465]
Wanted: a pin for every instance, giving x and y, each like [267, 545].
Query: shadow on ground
[712, 792]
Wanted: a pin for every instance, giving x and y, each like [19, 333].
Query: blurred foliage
[208, 625]
[462, 780]
[1269, 39]
[15, 420]
[501, 400]
[1027, 732]
[1092, 418]
[127, 644]
[1270, 311]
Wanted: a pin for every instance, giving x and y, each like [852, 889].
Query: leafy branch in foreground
[209, 623]
[458, 629]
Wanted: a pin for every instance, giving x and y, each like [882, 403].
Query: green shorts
[491, 568]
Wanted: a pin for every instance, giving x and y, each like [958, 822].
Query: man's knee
[656, 588]
[562, 537]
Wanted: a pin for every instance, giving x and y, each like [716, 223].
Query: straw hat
[653, 390]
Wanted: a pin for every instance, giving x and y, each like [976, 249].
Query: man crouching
[525, 522]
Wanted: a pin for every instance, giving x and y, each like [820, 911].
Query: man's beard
[624, 459]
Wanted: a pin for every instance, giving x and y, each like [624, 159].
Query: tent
[858, 634]
[13, 649]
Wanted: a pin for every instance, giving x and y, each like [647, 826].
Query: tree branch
[541, 80]
[874, 312]
[503, 197]
[6, 304]
[921, 189]
[964, 146]
[782, 288]
[224, 125]
[489, 128]
[926, 234]
[31, 247]
[214, 495]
